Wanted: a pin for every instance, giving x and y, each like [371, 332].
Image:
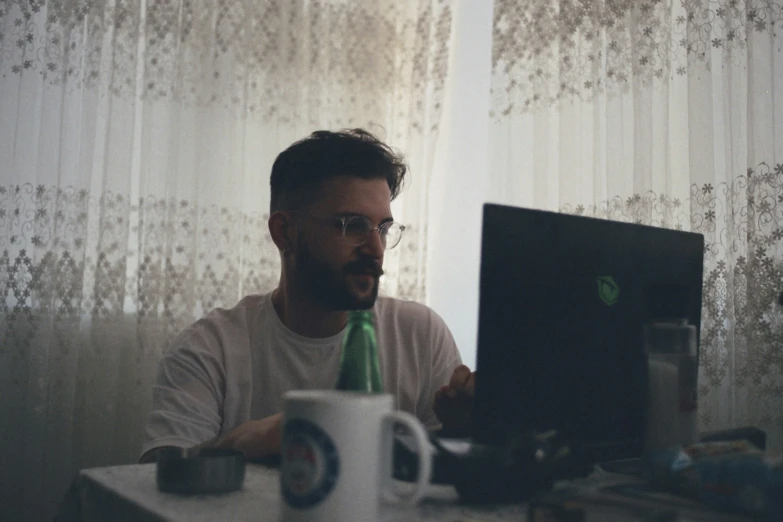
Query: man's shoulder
[222, 324]
[385, 305]
[406, 312]
[414, 324]
[247, 305]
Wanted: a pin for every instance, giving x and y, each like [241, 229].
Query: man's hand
[453, 403]
[257, 438]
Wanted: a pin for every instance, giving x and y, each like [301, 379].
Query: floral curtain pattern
[191, 49]
[176, 280]
[547, 51]
[742, 322]
[664, 113]
[136, 140]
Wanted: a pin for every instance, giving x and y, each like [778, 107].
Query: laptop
[563, 302]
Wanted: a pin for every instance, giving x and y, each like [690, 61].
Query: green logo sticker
[608, 290]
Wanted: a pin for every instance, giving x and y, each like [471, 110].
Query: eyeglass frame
[343, 220]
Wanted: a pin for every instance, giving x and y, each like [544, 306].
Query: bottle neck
[360, 317]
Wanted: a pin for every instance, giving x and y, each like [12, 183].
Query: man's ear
[281, 227]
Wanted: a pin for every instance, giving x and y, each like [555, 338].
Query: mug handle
[422, 450]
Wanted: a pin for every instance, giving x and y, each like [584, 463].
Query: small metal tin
[200, 471]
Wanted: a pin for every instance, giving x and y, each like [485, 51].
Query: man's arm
[187, 396]
[152, 455]
[451, 390]
[444, 363]
[257, 439]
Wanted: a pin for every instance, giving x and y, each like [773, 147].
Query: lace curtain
[667, 113]
[136, 140]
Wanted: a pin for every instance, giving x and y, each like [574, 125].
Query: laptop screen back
[563, 304]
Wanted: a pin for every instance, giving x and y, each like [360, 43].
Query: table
[129, 493]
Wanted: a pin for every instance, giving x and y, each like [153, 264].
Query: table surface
[130, 493]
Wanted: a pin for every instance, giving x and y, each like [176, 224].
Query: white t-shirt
[235, 365]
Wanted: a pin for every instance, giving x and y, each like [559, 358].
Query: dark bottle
[359, 367]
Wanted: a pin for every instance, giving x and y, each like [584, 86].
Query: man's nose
[374, 245]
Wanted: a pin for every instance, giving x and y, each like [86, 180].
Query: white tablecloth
[130, 493]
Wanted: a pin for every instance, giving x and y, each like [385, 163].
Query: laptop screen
[563, 304]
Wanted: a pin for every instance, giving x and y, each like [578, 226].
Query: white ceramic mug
[337, 455]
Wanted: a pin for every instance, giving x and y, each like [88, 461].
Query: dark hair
[299, 170]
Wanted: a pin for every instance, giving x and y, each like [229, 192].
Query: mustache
[364, 266]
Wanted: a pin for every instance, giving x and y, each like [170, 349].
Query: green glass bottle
[359, 367]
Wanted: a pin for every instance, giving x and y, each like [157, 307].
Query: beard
[337, 288]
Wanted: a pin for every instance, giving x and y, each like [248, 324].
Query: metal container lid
[200, 471]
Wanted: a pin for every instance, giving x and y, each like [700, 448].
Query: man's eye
[356, 226]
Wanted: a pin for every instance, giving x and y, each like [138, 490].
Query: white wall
[461, 165]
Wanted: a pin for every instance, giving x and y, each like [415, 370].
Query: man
[222, 382]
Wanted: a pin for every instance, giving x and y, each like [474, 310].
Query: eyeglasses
[357, 229]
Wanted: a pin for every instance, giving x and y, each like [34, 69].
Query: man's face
[340, 275]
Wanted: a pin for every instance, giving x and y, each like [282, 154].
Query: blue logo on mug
[310, 464]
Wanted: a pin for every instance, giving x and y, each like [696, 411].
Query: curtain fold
[136, 141]
[665, 113]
